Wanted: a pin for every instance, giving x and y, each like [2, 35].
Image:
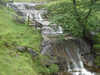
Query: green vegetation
[63, 13]
[14, 34]
[96, 48]
[78, 18]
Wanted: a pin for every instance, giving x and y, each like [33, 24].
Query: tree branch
[90, 10]
[75, 8]
[78, 18]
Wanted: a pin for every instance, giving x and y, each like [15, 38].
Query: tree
[77, 17]
[83, 21]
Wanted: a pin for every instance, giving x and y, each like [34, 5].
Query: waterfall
[74, 61]
[75, 65]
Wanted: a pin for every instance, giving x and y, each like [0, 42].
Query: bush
[62, 13]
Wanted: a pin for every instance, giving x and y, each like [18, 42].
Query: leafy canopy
[75, 18]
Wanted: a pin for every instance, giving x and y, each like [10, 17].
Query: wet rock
[47, 48]
[48, 61]
[45, 42]
[61, 73]
[84, 47]
[20, 13]
[32, 52]
[85, 51]
[10, 5]
[62, 63]
[21, 48]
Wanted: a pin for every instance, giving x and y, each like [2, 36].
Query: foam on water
[78, 66]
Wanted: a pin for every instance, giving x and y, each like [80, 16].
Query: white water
[80, 71]
[46, 29]
[78, 66]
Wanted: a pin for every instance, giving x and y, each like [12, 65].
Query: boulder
[21, 48]
[32, 52]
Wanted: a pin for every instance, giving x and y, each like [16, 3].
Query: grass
[15, 64]
[14, 34]
[20, 34]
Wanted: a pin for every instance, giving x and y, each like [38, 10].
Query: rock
[46, 48]
[20, 13]
[21, 48]
[25, 49]
[62, 73]
[32, 52]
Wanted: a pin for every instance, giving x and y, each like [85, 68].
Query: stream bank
[72, 51]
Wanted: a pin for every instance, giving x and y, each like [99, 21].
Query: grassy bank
[14, 34]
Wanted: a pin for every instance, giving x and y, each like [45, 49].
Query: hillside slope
[13, 34]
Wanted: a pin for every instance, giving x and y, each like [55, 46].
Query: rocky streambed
[71, 53]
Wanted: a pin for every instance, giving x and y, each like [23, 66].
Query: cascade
[75, 65]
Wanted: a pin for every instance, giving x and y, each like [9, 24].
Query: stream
[75, 65]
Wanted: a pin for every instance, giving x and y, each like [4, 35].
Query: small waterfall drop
[75, 65]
